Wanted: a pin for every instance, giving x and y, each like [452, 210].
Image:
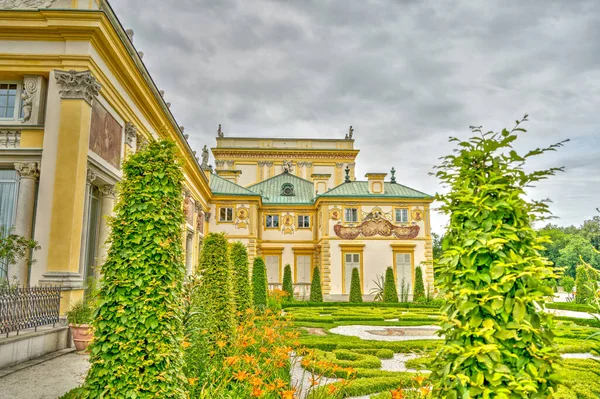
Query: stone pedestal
[28, 174]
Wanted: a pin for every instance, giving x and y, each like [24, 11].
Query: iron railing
[301, 290]
[28, 307]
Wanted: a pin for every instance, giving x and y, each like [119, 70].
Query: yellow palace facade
[76, 100]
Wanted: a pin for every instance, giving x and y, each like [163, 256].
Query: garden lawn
[581, 377]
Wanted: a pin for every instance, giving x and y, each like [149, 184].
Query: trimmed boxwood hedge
[576, 307]
[355, 291]
[390, 294]
[259, 283]
[241, 276]
[287, 282]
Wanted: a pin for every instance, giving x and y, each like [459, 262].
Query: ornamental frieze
[283, 155]
[374, 226]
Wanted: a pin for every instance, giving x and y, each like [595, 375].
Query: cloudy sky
[407, 74]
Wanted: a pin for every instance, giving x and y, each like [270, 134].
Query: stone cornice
[284, 154]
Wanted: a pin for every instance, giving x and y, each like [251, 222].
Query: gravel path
[48, 380]
[366, 332]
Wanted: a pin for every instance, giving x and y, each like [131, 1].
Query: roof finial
[220, 132]
[393, 172]
[347, 174]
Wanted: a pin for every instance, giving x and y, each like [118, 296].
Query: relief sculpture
[376, 225]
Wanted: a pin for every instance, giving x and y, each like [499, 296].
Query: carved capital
[339, 165]
[77, 85]
[219, 164]
[27, 170]
[10, 139]
[91, 176]
[197, 207]
[107, 191]
[269, 163]
[131, 135]
[308, 164]
[230, 164]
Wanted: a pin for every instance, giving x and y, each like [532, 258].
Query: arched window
[287, 190]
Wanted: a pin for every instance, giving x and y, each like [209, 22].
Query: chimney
[376, 185]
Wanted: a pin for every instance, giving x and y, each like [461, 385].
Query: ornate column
[28, 175]
[77, 91]
[107, 203]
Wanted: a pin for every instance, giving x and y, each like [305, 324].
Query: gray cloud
[406, 74]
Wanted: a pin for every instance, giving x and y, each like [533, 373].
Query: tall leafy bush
[316, 293]
[419, 294]
[288, 288]
[241, 276]
[216, 290]
[355, 291]
[390, 294]
[568, 284]
[583, 284]
[497, 344]
[136, 350]
[259, 283]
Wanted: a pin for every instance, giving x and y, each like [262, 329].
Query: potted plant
[80, 318]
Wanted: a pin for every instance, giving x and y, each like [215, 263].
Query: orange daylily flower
[287, 394]
[240, 375]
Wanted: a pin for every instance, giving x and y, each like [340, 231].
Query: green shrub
[576, 307]
[583, 292]
[136, 351]
[241, 277]
[385, 353]
[259, 283]
[80, 313]
[390, 294]
[567, 283]
[216, 291]
[316, 294]
[355, 291]
[419, 293]
[287, 282]
[77, 393]
[491, 274]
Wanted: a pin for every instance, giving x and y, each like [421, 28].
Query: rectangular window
[8, 204]
[273, 269]
[9, 100]
[351, 261]
[226, 215]
[303, 268]
[303, 222]
[272, 221]
[404, 273]
[351, 215]
[402, 215]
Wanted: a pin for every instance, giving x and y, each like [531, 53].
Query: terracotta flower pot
[82, 336]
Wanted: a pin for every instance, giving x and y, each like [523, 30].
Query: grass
[581, 377]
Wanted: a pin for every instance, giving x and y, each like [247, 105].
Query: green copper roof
[361, 189]
[271, 188]
[218, 185]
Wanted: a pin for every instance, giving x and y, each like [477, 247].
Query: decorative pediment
[374, 227]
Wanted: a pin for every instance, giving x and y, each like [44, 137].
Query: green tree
[13, 247]
[136, 351]
[390, 293]
[216, 291]
[316, 294]
[419, 293]
[288, 287]
[355, 291]
[437, 245]
[591, 230]
[577, 247]
[241, 277]
[259, 283]
[584, 291]
[568, 284]
[491, 274]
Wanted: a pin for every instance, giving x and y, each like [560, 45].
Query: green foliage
[567, 283]
[583, 292]
[385, 353]
[355, 291]
[491, 274]
[437, 245]
[287, 282]
[259, 283]
[576, 307]
[136, 351]
[316, 293]
[404, 290]
[13, 248]
[379, 288]
[419, 293]
[77, 393]
[216, 290]
[241, 277]
[390, 294]
[80, 313]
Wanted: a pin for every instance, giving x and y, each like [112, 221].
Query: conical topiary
[136, 351]
[390, 293]
[259, 283]
[316, 294]
[241, 277]
[287, 282]
[355, 291]
[419, 294]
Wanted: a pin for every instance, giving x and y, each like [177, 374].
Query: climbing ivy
[497, 343]
[136, 351]
[241, 277]
[390, 293]
[316, 293]
[287, 282]
[355, 291]
[259, 283]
